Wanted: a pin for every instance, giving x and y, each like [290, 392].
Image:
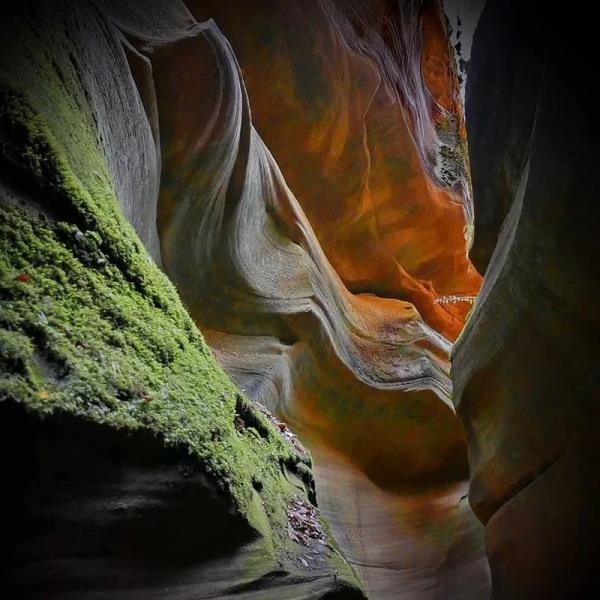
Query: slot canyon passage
[299, 300]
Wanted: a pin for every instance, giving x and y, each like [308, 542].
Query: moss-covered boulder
[130, 456]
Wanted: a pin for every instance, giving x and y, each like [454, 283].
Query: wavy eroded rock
[320, 267]
[525, 368]
[133, 465]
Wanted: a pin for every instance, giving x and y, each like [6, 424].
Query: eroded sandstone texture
[132, 466]
[314, 214]
[525, 369]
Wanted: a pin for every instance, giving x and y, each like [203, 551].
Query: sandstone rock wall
[131, 459]
[525, 369]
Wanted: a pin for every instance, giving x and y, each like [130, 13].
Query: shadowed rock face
[525, 369]
[505, 74]
[87, 507]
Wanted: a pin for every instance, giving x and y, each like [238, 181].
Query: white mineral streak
[394, 47]
[455, 298]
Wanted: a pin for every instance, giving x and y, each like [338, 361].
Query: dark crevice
[123, 504]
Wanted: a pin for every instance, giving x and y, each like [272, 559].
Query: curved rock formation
[299, 264]
[349, 152]
[525, 368]
[127, 451]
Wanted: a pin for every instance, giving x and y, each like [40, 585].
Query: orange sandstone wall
[314, 213]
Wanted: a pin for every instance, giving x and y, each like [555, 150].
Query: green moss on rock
[91, 327]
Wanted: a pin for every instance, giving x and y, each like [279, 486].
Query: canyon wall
[315, 214]
[133, 466]
[525, 369]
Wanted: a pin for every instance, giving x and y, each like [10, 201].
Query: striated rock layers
[248, 263]
[525, 369]
[133, 467]
[314, 214]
